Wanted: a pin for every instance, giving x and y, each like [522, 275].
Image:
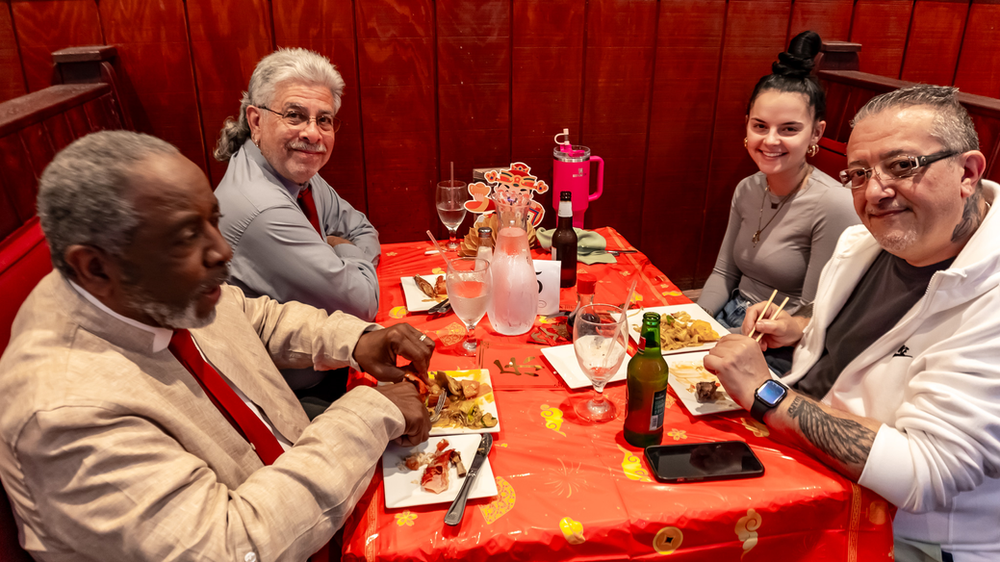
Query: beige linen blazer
[113, 452]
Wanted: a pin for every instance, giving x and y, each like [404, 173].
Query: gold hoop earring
[746, 141]
[813, 150]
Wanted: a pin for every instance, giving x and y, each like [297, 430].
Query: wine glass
[470, 286]
[450, 198]
[599, 340]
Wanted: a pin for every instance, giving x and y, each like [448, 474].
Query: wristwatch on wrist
[766, 397]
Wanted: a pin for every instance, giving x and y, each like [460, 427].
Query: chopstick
[773, 316]
[762, 313]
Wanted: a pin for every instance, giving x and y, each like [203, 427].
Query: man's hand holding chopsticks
[781, 331]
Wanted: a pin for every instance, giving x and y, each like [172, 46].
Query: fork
[437, 408]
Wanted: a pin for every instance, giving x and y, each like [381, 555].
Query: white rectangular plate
[687, 370]
[402, 486]
[563, 360]
[486, 402]
[416, 300]
[696, 312]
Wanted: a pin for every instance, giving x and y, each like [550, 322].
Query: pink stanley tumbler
[571, 172]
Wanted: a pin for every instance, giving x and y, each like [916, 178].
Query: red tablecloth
[575, 491]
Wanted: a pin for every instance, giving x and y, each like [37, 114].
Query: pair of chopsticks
[481, 353]
[764, 312]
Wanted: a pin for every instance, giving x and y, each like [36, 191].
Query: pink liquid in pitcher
[515, 290]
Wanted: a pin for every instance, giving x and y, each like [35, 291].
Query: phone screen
[703, 461]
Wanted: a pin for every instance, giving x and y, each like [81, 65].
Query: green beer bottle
[647, 387]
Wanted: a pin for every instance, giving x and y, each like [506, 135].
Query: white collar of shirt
[161, 336]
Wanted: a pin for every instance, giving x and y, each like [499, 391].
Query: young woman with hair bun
[785, 219]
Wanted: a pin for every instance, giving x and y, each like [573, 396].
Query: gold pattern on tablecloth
[391, 254]
[439, 271]
[755, 427]
[451, 334]
[878, 512]
[406, 518]
[632, 466]
[746, 530]
[398, 312]
[553, 418]
[572, 530]
[566, 479]
[506, 497]
[667, 540]
[677, 434]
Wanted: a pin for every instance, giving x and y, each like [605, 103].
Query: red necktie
[308, 206]
[225, 399]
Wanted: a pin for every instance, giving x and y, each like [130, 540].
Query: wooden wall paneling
[830, 18]
[327, 27]
[38, 152]
[227, 41]
[155, 58]
[978, 69]
[59, 131]
[20, 189]
[397, 89]
[473, 55]
[621, 44]
[881, 26]
[747, 55]
[44, 26]
[12, 84]
[546, 82]
[689, 43]
[935, 39]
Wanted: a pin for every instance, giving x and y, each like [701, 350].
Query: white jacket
[933, 380]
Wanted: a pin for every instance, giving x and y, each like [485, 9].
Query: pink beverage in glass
[515, 289]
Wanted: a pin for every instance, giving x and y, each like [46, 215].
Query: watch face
[771, 393]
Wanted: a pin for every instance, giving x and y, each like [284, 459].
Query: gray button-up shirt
[276, 252]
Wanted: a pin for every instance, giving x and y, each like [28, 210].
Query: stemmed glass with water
[470, 286]
[450, 198]
[600, 341]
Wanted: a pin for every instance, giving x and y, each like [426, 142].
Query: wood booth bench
[33, 128]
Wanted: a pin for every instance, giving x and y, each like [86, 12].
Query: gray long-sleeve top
[277, 252]
[792, 250]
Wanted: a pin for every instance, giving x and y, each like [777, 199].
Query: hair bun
[798, 62]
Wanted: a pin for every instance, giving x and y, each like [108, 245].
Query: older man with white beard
[142, 415]
[895, 381]
[293, 237]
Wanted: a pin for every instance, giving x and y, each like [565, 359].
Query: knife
[440, 308]
[457, 509]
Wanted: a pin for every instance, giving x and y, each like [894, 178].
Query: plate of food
[469, 402]
[563, 360]
[683, 328]
[699, 390]
[423, 291]
[433, 472]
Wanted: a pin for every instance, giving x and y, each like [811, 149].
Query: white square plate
[687, 370]
[486, 402]
[416, 300]
[402, 486]
[696, 312]
[563, 360]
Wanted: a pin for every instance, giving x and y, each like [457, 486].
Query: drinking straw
[438, 246]
[618, 326]
[452, 182]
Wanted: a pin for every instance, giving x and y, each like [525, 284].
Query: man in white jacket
[895, 381]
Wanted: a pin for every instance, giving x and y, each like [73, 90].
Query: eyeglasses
[295, 119]
[892, 169]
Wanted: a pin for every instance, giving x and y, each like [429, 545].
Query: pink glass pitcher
[571, 172]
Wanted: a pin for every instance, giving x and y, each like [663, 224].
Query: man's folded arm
[115, 485]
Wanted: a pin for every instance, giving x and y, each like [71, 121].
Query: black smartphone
[697, 462]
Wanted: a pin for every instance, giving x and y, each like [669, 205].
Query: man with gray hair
[142, 415]
[895, 381]
[293, 237]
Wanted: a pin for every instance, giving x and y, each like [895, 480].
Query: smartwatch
[766, 397]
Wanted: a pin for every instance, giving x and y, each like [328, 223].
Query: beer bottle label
[642, 344]
[659, 401]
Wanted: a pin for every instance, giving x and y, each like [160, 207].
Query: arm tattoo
[843, 439]
[972, 217]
